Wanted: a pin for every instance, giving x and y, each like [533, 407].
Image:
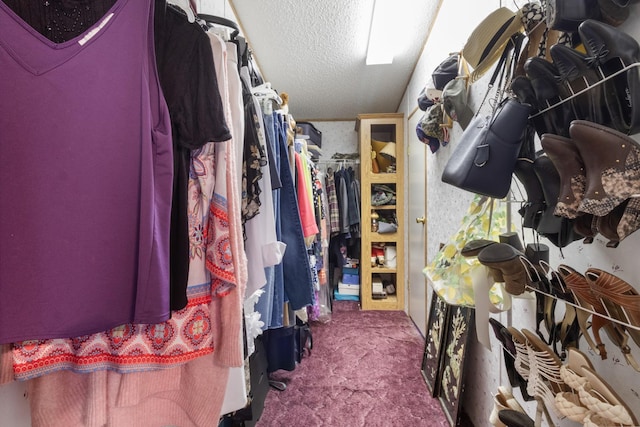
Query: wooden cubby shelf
[382, 129]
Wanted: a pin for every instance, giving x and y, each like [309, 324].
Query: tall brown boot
[612, 164]
[566, 158]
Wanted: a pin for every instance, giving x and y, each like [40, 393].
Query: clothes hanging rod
[338, 161]
[589, 87]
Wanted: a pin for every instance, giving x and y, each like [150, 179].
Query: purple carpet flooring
[364, 370]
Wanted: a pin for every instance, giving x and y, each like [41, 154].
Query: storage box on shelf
[381, 138]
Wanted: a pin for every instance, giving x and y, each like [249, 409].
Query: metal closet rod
[327, 161]
[589, 87]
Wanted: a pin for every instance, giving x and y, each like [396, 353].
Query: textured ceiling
[315, 51]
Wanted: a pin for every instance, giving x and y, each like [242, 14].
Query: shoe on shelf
[544, 361]
[558, 230]
[620, 299]
[509, 354]
[544, 77]
[521, 361]
[607, 225]
[473, 247]
[584, 298]
[503, 261]
[611, 50]
[512, 418]
[603, 401]
[611, 163]
[565, 156]
[586, 225]
[568, 403]
[614, 12]
[545, 381]
[531, 210]
[545, 303]
[579, 77]
[523, 90]
[568, 330]
[502, 400]
[512, 238]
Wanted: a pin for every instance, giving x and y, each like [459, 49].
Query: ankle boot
[630, 221]
[577, 76]
[612, 165]
[566, 158]
[531, 211]
[503, 261]
[586, 225]
[608, 225]
[558, 230]
[610, 50]
[544, 79]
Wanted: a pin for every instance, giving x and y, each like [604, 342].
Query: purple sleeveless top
[85, 178]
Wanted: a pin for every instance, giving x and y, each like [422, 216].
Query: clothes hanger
[186, 7]
[218, 20]
[264, 91]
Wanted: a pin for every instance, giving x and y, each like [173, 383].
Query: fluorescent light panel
[382, 43]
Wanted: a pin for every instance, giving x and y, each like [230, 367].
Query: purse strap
[505, 70]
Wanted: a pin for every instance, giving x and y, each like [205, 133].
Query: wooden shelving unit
[387, 128]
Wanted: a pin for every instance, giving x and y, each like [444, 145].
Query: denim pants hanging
[271, 303]
[298, 286]
[280, 135]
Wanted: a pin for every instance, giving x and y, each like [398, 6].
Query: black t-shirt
[188, 80]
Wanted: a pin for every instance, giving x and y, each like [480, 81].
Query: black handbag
[446, 71]
[485, 157]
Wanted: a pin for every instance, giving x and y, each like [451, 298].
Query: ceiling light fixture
[384, 21]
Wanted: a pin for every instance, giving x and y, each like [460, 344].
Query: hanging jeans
[271, 302]
[280, 134]
[298, 286]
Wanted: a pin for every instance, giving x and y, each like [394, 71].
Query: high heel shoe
[509, 354]
[568, 403]
[545, 304]
[585, 297]
[611, 50]
[545, 381]
[577, 76]
[544, 79]
[568, 330]
[604, 402]
[566, 157]
[619, 298]
[612, 166]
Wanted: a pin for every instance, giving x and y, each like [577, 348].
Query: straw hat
[487, 41]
